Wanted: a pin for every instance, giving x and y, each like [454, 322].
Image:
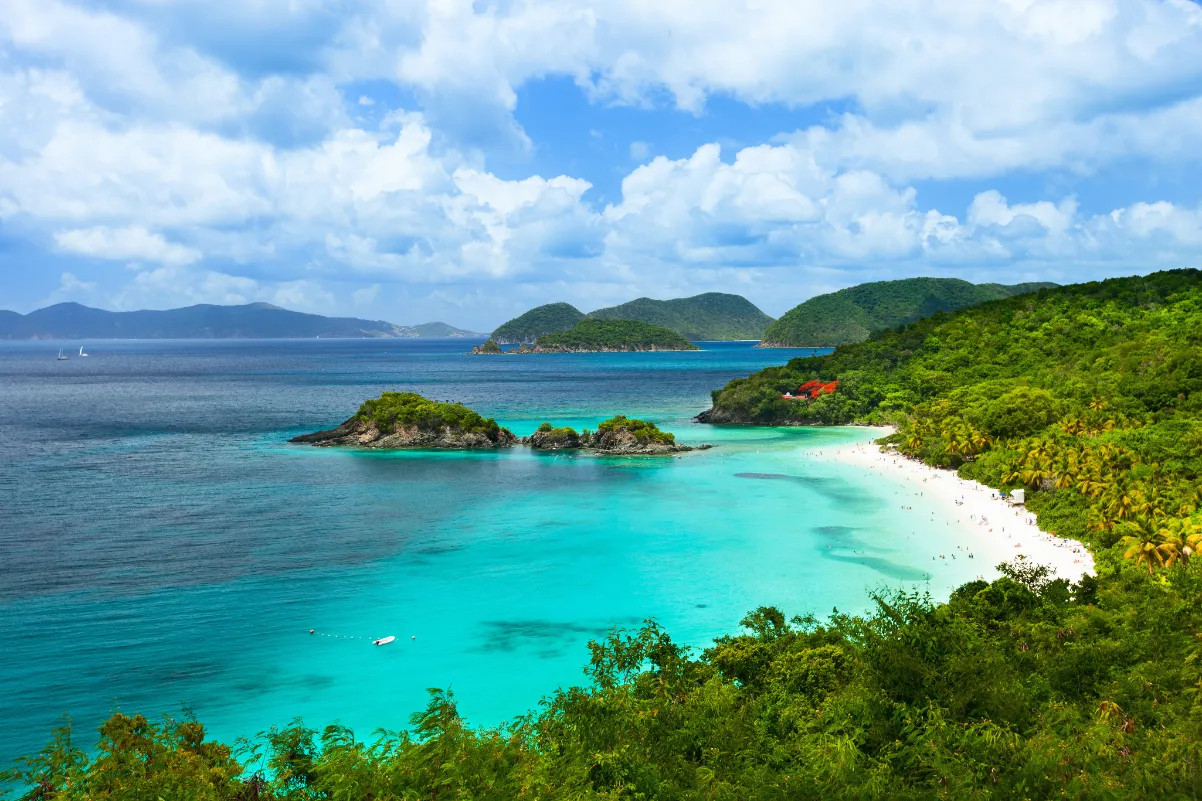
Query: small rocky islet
[401, 420]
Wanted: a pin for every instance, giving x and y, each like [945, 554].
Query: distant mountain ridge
[851, 314]
[709, 316]
[204, 321]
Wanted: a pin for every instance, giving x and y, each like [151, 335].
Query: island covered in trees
[617, 435]
[406, 420]
[1027, 686]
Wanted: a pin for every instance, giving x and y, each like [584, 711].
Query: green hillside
[709, 317]
[538, 321]
[851, 314]
[612, 335]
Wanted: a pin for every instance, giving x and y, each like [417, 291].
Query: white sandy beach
[997, 530]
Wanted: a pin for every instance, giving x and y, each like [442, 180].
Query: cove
[186, 551]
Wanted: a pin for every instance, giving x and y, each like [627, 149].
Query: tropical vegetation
[612, 335]
[851, 314]
[707, 317]
[541, 320]
[712, 316]
[641, 430]
[408, 409]
[1027, 686]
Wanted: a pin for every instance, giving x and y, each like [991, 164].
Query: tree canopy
[851, 314]
[709, 317]
[404, 409]
[546, 319]
[613, 335]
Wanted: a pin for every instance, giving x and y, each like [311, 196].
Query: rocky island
[619, 436]
[398, 420]
[407, 420]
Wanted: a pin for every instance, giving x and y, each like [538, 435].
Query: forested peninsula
[612, 336]
[851, 314]
[1089, 396]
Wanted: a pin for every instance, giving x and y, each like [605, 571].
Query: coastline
[996, 528]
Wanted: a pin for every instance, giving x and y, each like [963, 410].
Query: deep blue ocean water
[162, 545]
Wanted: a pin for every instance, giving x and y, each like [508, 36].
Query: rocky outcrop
[487, 348]
[717, 416]
[621, 442]
[547, 438]
[366, 434]
[618, 436]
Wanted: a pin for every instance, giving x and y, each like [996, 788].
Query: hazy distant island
[598, 336]
[205, 321]
[708, 317]
[850, 315]
[400, 420]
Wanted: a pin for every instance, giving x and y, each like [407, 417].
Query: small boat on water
[81, 353]
[62, 357]
[383, 641]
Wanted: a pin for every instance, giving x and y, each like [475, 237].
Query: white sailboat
[62, 357]
[81, 353]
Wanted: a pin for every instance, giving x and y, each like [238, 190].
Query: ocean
[164, 548]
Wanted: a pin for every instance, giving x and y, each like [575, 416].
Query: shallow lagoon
[163, 546]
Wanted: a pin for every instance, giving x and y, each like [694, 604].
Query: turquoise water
[163, 545]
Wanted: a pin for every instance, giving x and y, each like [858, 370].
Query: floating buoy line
[374, 640]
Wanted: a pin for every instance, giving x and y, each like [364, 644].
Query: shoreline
[977, 511]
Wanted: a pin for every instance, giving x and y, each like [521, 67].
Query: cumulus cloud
[133, 243]
[144, 133]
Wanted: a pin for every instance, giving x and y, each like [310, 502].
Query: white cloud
[124, 137]
[133, 242]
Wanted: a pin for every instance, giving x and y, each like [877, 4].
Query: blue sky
[463, 161]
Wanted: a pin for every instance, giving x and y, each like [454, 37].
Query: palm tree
[1142, 542]
[1179, 538]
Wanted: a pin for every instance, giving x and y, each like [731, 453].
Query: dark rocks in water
[367, 434]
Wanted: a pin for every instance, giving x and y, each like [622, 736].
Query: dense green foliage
[641, 430]
[550, 438]
[538, 321]
[851, 314]
[1024, 687]
[709, 317]
[408, 409]
[613, 335]
[488, 346]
